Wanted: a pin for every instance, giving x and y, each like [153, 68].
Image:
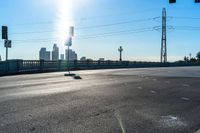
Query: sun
[66, 10]
[64, 20]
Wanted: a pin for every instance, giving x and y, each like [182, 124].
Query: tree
[198, 56]
[193, 60]
[186, 59]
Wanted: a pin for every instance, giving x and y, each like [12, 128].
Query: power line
[105, 34]
[87, 18]
[113, 33]
[87, 27]
[116, 34]
[118, 23]
[98, 26]
[32, 32]
[194, 18]
[187, 28]
[122, 31]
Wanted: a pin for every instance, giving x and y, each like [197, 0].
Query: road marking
[186, 85]
[140, 87]
[120, 122]
[185, 98]
[152, 91]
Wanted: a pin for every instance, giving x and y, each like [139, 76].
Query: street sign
[8, 43]
[4, 32]
[69, 42]
[71, 31]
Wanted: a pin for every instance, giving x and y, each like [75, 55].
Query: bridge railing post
[59, 65]
[88, 63]
[19, 64]
[41, 65]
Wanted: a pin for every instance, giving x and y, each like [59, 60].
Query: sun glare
[65, 18]
[64, 21]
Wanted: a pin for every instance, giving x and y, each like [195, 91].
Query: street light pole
[120, 53]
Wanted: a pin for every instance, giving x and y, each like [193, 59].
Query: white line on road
[185, 98]
[120, 122]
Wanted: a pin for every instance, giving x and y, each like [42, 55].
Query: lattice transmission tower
[163, 57]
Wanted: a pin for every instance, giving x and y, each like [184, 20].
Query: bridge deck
[145, 100]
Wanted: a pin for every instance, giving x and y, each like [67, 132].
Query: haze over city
[101, 26]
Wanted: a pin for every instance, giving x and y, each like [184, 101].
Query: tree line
[192, 59]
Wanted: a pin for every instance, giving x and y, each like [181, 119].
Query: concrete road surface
[146, 100]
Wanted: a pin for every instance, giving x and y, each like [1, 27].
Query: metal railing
[20, 66]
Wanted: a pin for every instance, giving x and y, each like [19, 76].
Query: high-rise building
[62, 56]
[72, 55]
[44, 55]
[48, 55]
[55, 52]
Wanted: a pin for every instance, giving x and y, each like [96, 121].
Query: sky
[100, 27]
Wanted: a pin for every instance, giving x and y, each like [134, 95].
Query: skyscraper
[62, 56]
[55, 52]
[72, 55]
[44, 55]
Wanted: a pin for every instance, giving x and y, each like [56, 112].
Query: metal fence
[23, 66]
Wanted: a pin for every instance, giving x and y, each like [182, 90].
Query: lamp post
[120, 49]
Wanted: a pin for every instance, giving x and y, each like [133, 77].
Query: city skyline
[136, 27]
[54, 55]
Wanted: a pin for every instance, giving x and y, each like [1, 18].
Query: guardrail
[24, 66]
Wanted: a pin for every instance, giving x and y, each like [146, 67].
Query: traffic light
[197, 1]
[4, 32]
[172, 1]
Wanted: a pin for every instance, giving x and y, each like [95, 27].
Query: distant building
[62, 56]
[44, 55]
[48, 55]
[83, 58]
[72, 55]
[55, 52]
[89, 59]
[101, 59]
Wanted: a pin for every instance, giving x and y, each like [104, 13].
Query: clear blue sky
[101, 26]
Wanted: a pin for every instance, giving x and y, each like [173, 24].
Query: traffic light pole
[6, 53]
[68, 68]
[69, 43]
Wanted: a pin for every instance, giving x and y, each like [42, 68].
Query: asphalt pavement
[139, 100]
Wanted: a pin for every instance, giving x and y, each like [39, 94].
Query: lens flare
[66, 11]
[64, 21]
